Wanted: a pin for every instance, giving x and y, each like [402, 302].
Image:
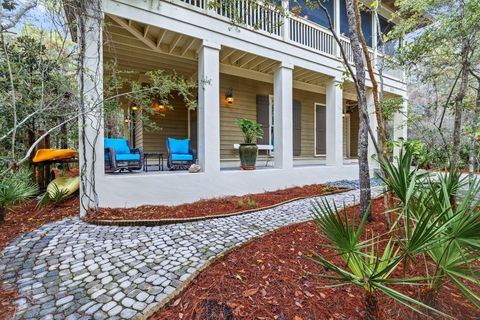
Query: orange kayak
[53, 154]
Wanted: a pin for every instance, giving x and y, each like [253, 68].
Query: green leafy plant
[56, 196]
[251, 130]
[252, 204]
[240, 203]
[329, 188]
[16, 187]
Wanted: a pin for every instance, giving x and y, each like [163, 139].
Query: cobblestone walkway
[73, 270]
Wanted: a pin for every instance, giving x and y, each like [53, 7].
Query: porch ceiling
[140, 48]
[143, 47]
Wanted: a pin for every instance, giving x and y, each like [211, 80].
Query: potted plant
[248, 150]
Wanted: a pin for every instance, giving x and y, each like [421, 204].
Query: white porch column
[286, 21]
[400, 125]
[336, 24]
[372, 152]
[283, 116]
[209, 107]
[334, 123]
[91, 131]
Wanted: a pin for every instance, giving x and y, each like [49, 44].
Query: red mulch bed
[267, 279]
[210, 207]
[24, 219]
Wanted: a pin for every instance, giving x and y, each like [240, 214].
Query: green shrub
[16, 187]
[252, 204]
[240, 203]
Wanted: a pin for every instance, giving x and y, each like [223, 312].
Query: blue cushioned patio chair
[119, 157]
[180, 154]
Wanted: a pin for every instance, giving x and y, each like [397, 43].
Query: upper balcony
[299, 29]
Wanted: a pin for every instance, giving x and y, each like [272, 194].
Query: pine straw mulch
[26, 218]
[211, 207]
[267, 279]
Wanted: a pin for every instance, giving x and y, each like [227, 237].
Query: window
[314, 14]
[271, 120]
[367, 25]
[320, 127]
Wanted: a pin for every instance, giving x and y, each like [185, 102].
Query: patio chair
[119, 157]
[180, 154]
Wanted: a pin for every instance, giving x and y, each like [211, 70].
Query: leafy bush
[15, 188]
[252, 204]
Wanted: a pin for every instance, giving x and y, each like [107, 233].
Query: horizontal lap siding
[308, 100]
[245, 93]
[174, 124]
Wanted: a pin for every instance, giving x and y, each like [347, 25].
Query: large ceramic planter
[248, 156]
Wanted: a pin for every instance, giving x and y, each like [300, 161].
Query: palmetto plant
[440, 218]
[57, 196]
[15, 188]
[366, 265]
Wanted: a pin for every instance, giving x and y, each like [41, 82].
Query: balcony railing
[266, 19]
[311, 35]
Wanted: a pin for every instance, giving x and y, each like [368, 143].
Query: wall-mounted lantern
[229, 97]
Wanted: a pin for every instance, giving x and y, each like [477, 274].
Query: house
[284, 71]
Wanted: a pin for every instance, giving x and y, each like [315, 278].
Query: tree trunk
[364, 172]
[376, 96]
[476, 113]
[462, 90]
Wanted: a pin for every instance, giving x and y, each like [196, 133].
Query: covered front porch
[307, 110]
[249, 86]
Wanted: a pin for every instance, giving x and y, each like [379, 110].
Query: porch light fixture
[229, 97]
[135, 108]
[159, 107]
[127, 120]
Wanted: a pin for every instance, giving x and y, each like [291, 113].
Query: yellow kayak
[53, 154]
[66, 184]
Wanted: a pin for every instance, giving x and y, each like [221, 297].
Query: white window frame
[346, 137]
[271, 121]
[315, 105]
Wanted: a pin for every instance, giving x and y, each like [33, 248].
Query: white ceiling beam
[145, 30]
[247, 60]
[160, 37]
[136, 33]
[225, 54]
[175, 42]
[187, 46]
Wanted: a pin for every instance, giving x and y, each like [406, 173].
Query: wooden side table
[147, 155]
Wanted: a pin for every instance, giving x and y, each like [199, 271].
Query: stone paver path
[73, 270]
